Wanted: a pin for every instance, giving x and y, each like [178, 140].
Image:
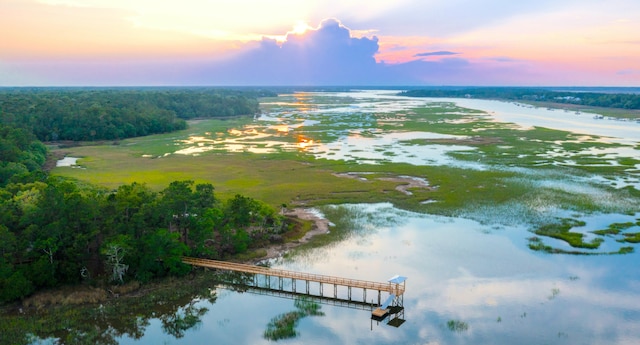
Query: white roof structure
[397, 279]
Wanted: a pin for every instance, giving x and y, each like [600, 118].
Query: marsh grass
[607, 232]
[617, 230]
[250, 255]
[68, 296]
[537, 244]
[345, 223]
[298, 229]
[562, 231]
[288, 177]
[516, 164]
[632, 237]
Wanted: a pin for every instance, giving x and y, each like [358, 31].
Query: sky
[319, 42]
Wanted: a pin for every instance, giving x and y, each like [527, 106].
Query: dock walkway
[390, 287]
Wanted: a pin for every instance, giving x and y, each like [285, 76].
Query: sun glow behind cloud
[586, 42]
[221, 19]
[300, 28]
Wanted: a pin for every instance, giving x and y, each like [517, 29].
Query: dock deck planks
[395, 289]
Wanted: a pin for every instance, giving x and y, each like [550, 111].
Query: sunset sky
[319, 42]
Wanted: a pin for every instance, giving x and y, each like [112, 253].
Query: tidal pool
[67, 162]
[389, 147]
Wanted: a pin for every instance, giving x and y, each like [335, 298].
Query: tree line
[60, 232]
[57, 231]
[77, 114]
[595, 99]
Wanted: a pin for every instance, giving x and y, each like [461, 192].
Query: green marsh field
[428, 156]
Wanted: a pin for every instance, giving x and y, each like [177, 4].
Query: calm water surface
[480, 275]
[457, 269]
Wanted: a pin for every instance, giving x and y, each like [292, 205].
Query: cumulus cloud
[331, 55]
[326, 55]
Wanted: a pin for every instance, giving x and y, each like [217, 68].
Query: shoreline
[320, 226]
[85, 295]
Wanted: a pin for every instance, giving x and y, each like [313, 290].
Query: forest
[56, 231]
[592, 99]
[91, 114]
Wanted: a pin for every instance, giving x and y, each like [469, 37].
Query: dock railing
[396, 289]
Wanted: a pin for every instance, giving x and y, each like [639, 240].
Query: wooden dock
[393, 288]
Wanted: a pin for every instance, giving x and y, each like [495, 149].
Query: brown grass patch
[298, 230]
[75, 295]
[125, 289]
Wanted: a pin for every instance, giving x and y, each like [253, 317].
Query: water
[457, 270]
[353, 120]
[387, 147]
[475, 270]
[67, 162]
[623, 131]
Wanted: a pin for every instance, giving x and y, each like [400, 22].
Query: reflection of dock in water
[259, 290]
[393, 306]
[341, 291]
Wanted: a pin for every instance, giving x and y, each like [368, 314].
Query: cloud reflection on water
[462, 270]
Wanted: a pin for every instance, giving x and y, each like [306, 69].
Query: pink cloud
[327, 55]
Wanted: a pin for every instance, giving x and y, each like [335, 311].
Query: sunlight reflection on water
[349, 109]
